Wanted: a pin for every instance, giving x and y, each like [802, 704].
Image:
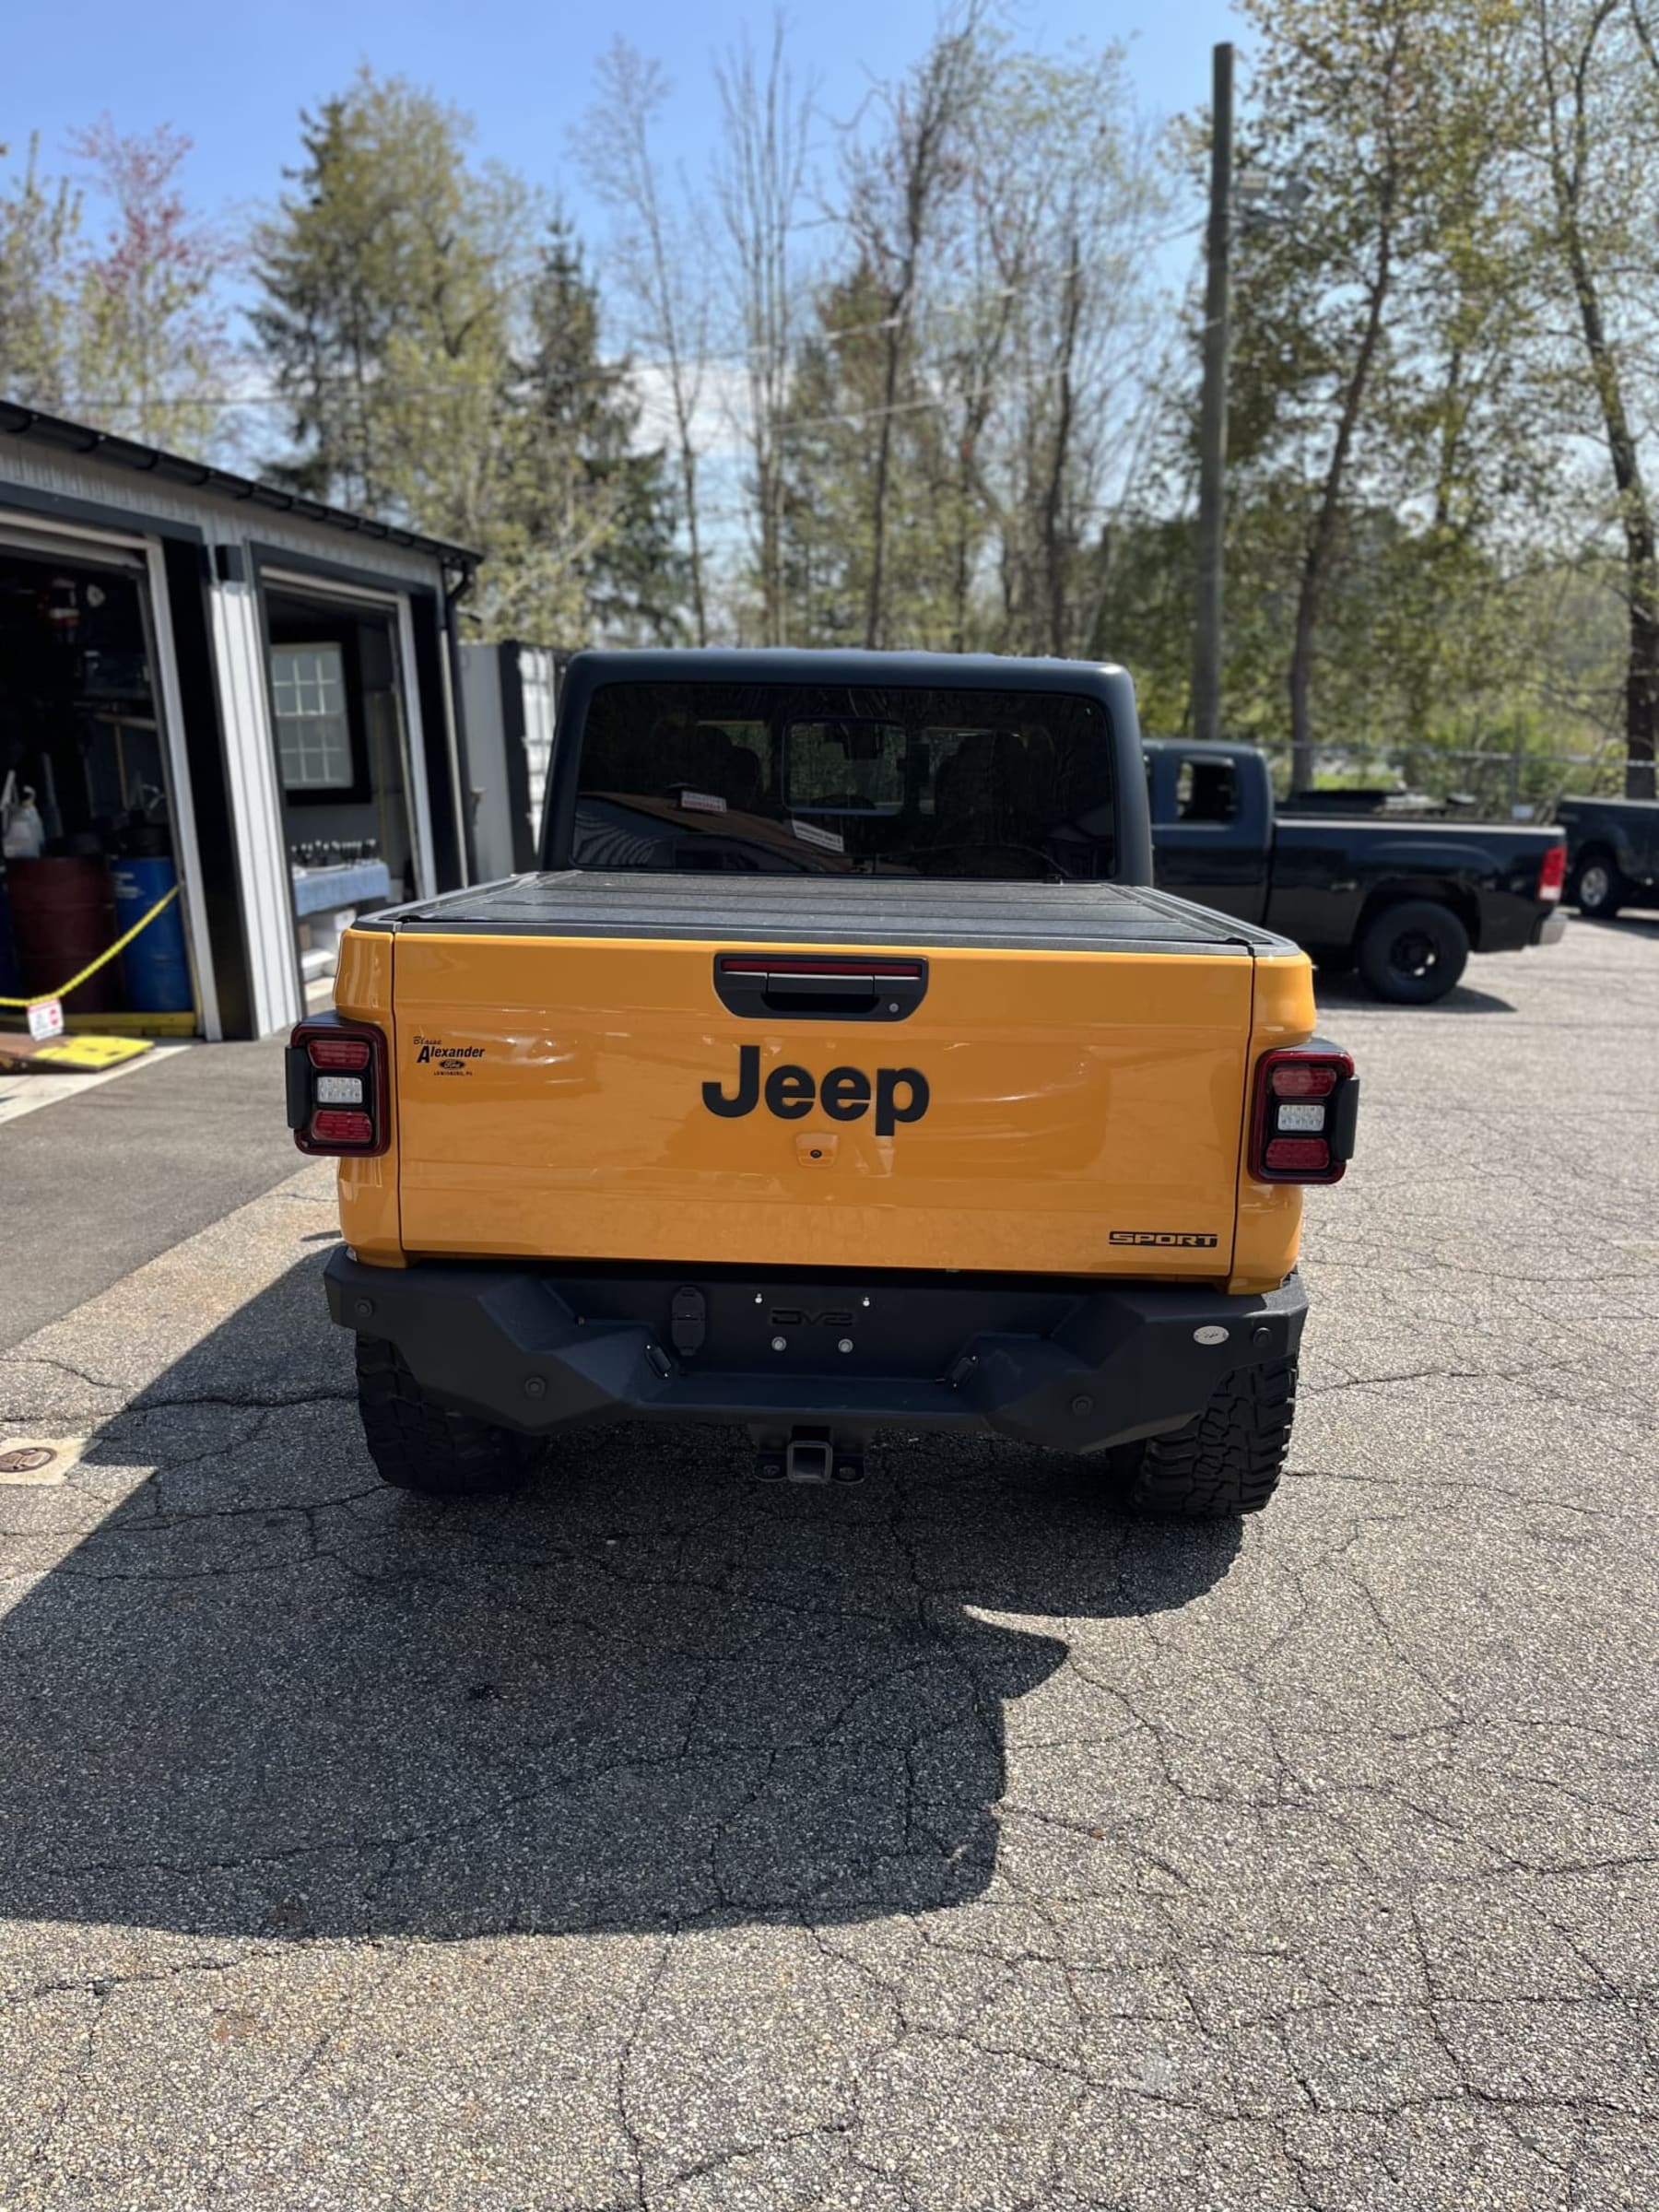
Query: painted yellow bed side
[368, 1210]
[1270, 1214]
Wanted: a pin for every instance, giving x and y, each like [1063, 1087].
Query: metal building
[510, 696]
[199, 667]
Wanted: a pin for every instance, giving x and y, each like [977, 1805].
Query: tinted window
[1206, 791]
[787, 778]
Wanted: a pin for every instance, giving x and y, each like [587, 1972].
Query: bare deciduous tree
[1599, 118]
[759, 180]
[899, 193]
[659, 261]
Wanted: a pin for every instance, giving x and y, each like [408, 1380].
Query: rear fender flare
[1455, 898]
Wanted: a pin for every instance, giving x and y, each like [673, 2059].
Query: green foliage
[384, 307]
[939, 400]
[129, 329]
[442, 371]
[586, 539]
[39, 223]
[838, 396]
[973, 397]
[1401, 525]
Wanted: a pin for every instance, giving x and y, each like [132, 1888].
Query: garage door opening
[337, 702]
[92, 838]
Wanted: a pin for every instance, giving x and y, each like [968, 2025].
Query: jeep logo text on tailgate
[846, 1094]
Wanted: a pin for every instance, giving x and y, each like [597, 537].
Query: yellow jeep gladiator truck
[840, 1069]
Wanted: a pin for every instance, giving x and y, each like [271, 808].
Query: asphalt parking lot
[665, 1842]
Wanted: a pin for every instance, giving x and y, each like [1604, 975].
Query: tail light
[1307, 1102]
[337, 1087]
[1552, 872]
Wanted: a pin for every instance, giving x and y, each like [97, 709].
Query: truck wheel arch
[1429, 931]
[1395, 890]
[1597, 855]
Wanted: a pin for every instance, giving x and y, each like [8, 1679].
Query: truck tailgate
[571, 1083]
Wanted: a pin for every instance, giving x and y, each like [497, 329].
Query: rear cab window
[796, 779]
[1207, 790]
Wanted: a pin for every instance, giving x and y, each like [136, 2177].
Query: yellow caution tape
[44, 998]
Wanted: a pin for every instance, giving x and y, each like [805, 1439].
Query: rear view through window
[796, 779]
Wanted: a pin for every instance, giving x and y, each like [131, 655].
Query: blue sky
[234, 79]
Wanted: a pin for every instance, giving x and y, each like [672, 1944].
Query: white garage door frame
[33, 533]
[292, 582]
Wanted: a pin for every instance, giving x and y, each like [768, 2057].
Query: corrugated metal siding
[223, 521]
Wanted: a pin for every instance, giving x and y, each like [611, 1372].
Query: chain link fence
[1519, 786]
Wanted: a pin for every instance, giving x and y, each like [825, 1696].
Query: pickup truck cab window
[1206, 791]
[846, 780]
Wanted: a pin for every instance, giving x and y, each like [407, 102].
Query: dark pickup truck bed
[1612, 853]
[1405, 901]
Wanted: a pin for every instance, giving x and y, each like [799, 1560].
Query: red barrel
[63, 916]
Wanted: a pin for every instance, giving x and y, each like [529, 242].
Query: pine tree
[383, 313]
[582, 417]
[444, 371]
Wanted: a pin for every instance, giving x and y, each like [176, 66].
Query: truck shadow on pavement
[266, 1697]
[1345, 992]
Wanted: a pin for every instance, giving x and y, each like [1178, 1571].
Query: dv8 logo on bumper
[846, 1094]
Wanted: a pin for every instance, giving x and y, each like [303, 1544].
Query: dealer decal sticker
[446, 1059]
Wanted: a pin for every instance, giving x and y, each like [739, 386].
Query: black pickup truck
[1612, 853]
[1406, 901]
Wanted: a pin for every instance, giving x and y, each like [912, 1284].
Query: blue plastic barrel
[155, 966]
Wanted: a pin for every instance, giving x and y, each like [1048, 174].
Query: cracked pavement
[659, 1840]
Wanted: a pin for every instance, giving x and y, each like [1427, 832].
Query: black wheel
[1226, 1462]
[1598, 886]
[417, 1444]
[1413, 953]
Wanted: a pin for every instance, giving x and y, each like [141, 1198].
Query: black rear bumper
[1071, 1364]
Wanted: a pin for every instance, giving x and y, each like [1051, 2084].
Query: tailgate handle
[803, 988]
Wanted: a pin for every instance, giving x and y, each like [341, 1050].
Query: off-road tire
[417, 1444]
[1413, 952]
[1597, 887]
[1225, 1463]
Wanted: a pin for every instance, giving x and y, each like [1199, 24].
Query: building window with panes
[313, 727]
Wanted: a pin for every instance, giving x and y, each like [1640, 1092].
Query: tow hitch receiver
[809, 1455]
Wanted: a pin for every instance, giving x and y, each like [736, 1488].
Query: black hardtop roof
[827, 664]
[1103, 681]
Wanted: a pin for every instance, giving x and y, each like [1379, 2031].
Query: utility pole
[1212, 414]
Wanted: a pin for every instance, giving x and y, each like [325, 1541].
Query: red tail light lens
[338, 1051]
[1302, 1124]
[1552, 872]
[338, 1100]
[341, 1126]
[1285, 1154]
[1302, 1079]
